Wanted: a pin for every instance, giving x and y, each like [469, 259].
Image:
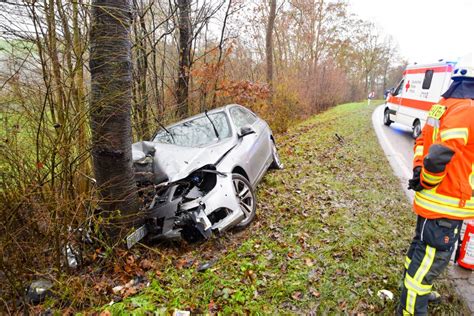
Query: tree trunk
[184, 46]
[221, 50]
[110, 103]
[141, 74]
[269, 44]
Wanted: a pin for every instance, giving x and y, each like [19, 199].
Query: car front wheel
[246, 198]
[386, 117]
[416, 129]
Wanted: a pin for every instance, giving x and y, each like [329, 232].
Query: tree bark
[184, 47]
[269, 44]
[110, 104]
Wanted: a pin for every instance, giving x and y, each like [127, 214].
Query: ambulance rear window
[427, 80]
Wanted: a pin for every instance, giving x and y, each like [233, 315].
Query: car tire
[386, 117]
[276, 163]
[416, 129]
[246, 198]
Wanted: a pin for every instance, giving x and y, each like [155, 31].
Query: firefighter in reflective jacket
[443, 178]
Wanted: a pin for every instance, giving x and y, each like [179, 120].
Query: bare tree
[269, 42]
[184, 48]
[111, 84]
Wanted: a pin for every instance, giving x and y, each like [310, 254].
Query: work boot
[434, 297]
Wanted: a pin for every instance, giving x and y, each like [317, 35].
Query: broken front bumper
[192, 216]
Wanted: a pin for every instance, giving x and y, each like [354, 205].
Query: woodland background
[285, 59]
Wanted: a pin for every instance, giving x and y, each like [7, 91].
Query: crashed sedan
[203, 171]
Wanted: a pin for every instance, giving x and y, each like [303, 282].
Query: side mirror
[246, 130]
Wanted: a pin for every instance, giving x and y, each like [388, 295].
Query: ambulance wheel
[416, 129]
[386, 117]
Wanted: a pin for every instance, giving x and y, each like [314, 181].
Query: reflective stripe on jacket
[445, 151]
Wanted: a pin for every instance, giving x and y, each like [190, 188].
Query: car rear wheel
[386, 117]
[416, 129]
[246, 198]
[276, 163]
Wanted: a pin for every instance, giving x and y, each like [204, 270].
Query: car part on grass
[198, 176]
[206, 265]
[385, 295]
[72, 257]
[38, 291]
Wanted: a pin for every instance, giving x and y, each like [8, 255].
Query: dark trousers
[427, 257]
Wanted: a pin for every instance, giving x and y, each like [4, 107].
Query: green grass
[332, 230]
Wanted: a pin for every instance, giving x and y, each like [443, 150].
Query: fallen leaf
[342, 305]
[297, 296]
[180, 263]
[314, 292]
[212, 307]
[130, 260]
[308, 262]
[130, 291]
[117, 268]
[146, 264]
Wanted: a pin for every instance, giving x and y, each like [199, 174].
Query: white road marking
[399, 164]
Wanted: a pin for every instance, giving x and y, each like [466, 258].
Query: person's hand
[415, 182]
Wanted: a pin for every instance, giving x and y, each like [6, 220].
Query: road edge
[401, 170]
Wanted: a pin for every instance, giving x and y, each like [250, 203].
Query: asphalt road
[397, 144]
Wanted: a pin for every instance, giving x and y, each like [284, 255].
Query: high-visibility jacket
[445, 151]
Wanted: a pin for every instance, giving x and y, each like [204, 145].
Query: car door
[395, 99]
[263, 146]
[253, 148]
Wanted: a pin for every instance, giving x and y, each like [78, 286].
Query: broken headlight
[144, 170]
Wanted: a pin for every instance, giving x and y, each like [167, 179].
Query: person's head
[464, 70]
[462, 86]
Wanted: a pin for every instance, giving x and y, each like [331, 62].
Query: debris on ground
[131, 287]
[203, 267]
[385, 295]
[72, 256]
[181, 313]
[38, 291]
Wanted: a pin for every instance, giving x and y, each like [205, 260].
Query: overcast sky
[426, 30]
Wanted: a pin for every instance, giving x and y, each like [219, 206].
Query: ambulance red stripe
[416, 104]
[435, 69]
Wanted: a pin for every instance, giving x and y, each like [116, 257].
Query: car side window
[398, 89]
[249, 116]
[242, 117]
[238, 117]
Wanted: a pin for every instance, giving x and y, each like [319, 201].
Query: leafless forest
[284, 59]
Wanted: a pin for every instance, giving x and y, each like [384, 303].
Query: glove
[415, 182]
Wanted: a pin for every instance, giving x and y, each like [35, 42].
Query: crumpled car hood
[172, 163]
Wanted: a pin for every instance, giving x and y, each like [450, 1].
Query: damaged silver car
[203, 172]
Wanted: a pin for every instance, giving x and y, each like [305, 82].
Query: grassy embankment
[331, 231]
